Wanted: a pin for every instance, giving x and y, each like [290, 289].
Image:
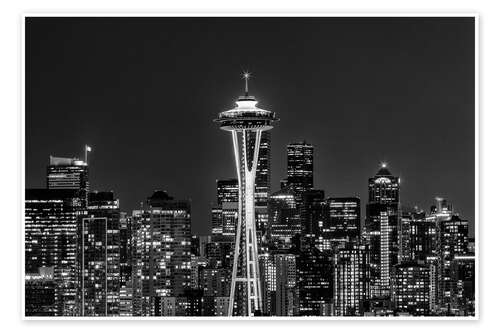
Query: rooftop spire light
[246, 77]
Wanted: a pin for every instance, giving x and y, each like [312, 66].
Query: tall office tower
[50, 241]
[343, 222]
[351, 280]
[246, 122]
[68, 173]
[411, 288]
[382, 228]
[287, 293]
[262, 191]
[463, 276]
[98, 257]
[300, 166]
[268, 282]
[39, 296]
[284, 217]
[313, 215]
[162, 258]
[225, 213]
[315, 281]
[126, 289]
[452, 240]
[418, 240]
[227, 190]
[219, 252]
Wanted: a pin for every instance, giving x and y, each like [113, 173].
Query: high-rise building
[382, 219]
[98, 256]
[161, 252]
[227, 190]
[418, 240]
[39, 296]
[315, 281]
[313, 215]
[300, 166]
[50, 241]
[68, 173]
[351, 280]
[463, 277]
[225, 213]
[284, 216]
[287, 292]
[342, 223]
[246, 122]
[268, 282]
[411, 288]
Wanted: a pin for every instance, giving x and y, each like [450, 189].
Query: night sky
[143, 93]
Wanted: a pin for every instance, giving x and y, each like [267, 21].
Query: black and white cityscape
[331, 179]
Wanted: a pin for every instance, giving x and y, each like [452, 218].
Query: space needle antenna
[246, 76]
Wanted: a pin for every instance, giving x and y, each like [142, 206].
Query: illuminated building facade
[50, 241]
[411, 288]
[39, 296]
[418, 237]
[343, 222]
[351, 280]
[300, 166]
[161, 251]
[287, 293]
[68, 173]
[98, 256]
[315, 281]
[313, 216]
[246, 122]
[463, 277]
[382, 218]
[284, 216]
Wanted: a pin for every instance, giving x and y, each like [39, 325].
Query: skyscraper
[50, 241]
[342, 223]
[287, 292]
[300, 166]
[98, 256]
[225, 213]
[351, 280]
[382, 218]
[162, 259]
[284, 218]
[315, 281]
[68, 173]
[246, 122]
[411, 290]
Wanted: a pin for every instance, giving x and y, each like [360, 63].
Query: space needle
[246, 122]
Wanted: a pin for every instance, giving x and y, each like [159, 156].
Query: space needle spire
[246, 122]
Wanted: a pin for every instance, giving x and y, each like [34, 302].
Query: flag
[88, 148]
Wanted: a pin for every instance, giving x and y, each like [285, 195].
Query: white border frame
[254, 13]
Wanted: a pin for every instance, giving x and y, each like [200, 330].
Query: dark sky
[143, 92]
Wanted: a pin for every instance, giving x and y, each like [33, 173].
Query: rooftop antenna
[246, 76]
[88, 149]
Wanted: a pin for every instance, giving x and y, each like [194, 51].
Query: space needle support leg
[238, 228]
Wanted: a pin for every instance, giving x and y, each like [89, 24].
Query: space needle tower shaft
[246, 122]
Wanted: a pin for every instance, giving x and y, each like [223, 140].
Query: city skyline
[429, 126]
[355, 204]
